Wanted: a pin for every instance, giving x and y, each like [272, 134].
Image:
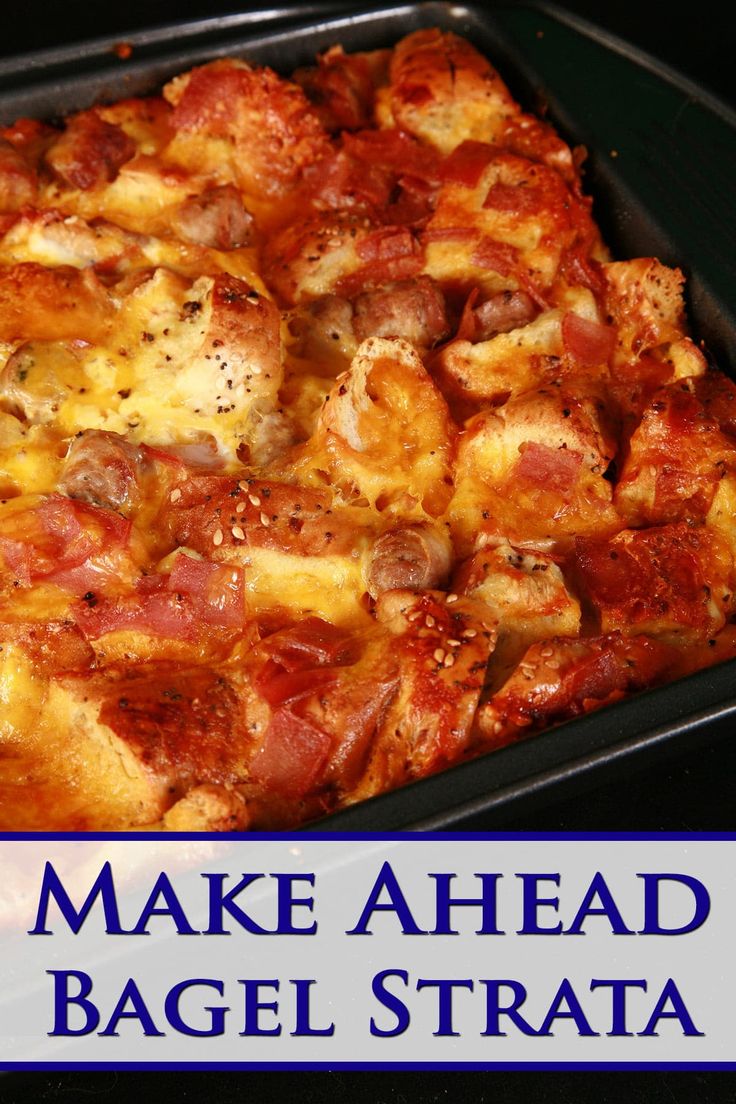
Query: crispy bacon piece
[215, 592]
[672, 581]
[588, 343]
[343, 181]
[293, 755]
[61, 541]
[321, 680]
[104, 469]
[496, 256]
[327, 691]
[196, 598]
[311, 643]
[90, 152]
[552, 469]
[280, 687]
[216, 218]
[467, 162]
[342, 86]
[387, 174]
[386, 254]
[411, 309]
[355, 712]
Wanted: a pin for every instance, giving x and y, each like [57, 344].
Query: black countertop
[690, 792]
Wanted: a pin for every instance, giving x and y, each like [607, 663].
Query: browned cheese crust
[334, 447]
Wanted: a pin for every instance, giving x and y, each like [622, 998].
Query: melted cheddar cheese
[335, 449]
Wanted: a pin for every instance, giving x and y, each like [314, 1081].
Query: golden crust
[445, 92]
[334, 448]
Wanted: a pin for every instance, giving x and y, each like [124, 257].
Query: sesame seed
[175, 495]
[429, 621]
[439, 655]
[553, 664]
[449, 660]
[237, 532]
[453, 643]
[217, 538]
[414, 615]
[240, 508]
[254, 500]
[451, 598]
[243, 485]
[265, 519]
[470, 633]
[547, 652]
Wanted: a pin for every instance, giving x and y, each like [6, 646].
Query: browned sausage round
[104, 469]
[413, 557]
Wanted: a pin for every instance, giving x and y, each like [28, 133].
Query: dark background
[692, 792]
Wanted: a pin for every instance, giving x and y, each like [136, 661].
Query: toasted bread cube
[445, 92]
[441, 649]
[671, 581]
[533, 470]
[559, 679]
[526, 593]
[385, 431]
[677, 456]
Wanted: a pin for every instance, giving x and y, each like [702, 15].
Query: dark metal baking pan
[661, 166]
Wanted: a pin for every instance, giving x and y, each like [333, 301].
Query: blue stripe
[38, 1066]
[387, 837]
